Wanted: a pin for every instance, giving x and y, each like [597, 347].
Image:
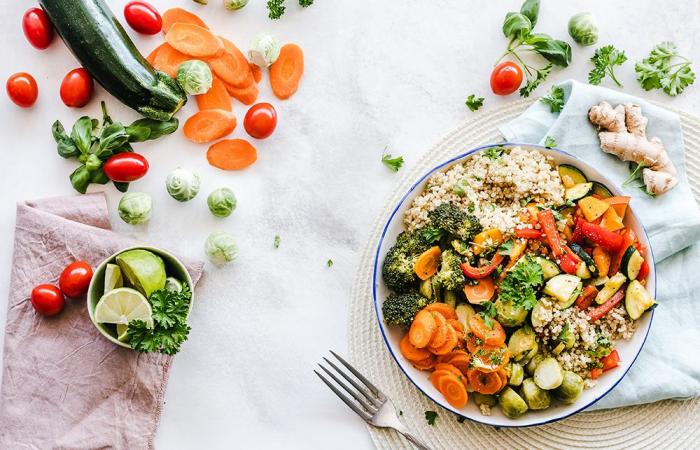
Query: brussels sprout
[531, 366]
[135, 208]
[233, 5]
[264, 50]
[483, 399]
[194, 77]
[172, 284]
[583, 28]
[521, 342]
[222, 202]
[541, 314]
[182, 185]
[450, 297]
[535, 397]
[221, 248]
[510, 314]
[570, 388]
[512, 405]
[548, 374]
[516, 374]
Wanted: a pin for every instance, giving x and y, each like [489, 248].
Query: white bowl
[628, 350]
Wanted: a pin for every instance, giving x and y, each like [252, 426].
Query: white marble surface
[378, 73]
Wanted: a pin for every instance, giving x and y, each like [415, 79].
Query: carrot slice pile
[286, 72]
[232, 154]
[179, 15]
[446, 310]
[427, 263]
[215, 98]
[165, 58]
[232, 66]
[209, 125]
[256, 71]
[193, 40]
[246, 95]
[422, 329]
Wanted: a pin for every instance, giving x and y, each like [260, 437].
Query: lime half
[121, 306]
[113, 277]
[144, 270]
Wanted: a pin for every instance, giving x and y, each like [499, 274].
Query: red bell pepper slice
[628, 238]
[606, 307]
[611, 361]
[609, 241]
[643, 271]
[546, 218]
[585, 300]
[483, 271]
[528, 233]
[597, 372]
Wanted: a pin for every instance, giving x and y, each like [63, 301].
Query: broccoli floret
[450, 275]
[450, 218]
[400, 309]
[397, 271]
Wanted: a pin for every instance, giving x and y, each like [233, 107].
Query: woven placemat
[664, 424]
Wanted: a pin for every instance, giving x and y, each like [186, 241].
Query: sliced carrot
[453, 389]
[448, 356]
[194, 40]
[437, 375]
[427, 263]
[449, 345]
[473, 342]
[152, 56]
[619, 204]
[458, 327]
[256, 71]
[286, 72]
[449, 368]
[494, 335]
[489, 358]
[602, 261]
[179, 15]
[504, 377]
[440, 335]
[486, 383]
[217, 97]
[232, 154]
[481, 292]
[461, 361]
[166, 59]
[232, 66]
[425, 364]
[422, 329]
[411, 352]
[446, 310]
[209, 125]
[246, 95]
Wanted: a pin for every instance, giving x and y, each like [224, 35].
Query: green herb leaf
[555, 99]
[329, 263]
[474, 103]
[604, 60]
[121, 187]
[550, 142]
[306, 3]
[392, 163]
[522, 283]
[531, 9]
[555, 51]
[106, 119]
[99, 176]
[82, 134]
[170, 327]
[275, 9]
[149, 129]
[494, 152]
[506, 248]
[430, 416]
[276, 242]
[431, 234]
[665, 69]
[533, 83]
[516, 25]
[66, 147]
[80, 179]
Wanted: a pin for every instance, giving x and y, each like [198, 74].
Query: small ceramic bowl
[173, 268]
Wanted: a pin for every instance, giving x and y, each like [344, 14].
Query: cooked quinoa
[493, 189]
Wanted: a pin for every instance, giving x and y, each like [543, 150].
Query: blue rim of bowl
[376, 265]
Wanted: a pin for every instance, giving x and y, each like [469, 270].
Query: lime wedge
[121, 306]
[144, 270]
[113, 277]
[121, 332]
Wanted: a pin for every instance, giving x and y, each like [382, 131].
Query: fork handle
[414, 440]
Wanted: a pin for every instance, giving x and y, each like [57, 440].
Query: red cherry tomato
[47, 299]
[260, 120]
[76, 88]
[22, 89]
[75, 279]
[125, 167]
[37, 28]
[143, 18]
[506, 78]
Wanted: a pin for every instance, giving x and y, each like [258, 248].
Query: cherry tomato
[125, 167]
[37, 28]
[22, 89]
[506, 78]
[76, 88]
[142, 17]
[47, 299]
[75, 279]
[260, 120]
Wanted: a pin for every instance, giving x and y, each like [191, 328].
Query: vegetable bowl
[140, 298]
[514, 285]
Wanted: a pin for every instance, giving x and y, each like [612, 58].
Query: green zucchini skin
[98, 40]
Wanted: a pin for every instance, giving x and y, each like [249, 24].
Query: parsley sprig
[393, 163]
[555, 99]
[430, 417]
[665, 69]
[170, 327]
[473, 102]
[605, 59]
[521, 284]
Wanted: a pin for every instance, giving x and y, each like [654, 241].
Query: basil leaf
[555, 51]
[66, 148]
[113, 137]
[121, 187]
[82, 134]
[99, 176]
[93, 162]
[80, 179]
[531, 9]
[149, 129]
[537, 37]
[516, 24]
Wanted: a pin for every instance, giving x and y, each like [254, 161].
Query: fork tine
[365, 415]
[370, 408]
[374, 400]
[359, 376]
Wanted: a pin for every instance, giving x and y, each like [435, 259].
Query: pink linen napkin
[64, 386]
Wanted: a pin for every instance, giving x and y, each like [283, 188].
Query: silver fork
[370, 403]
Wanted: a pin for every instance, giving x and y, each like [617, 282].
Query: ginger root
[624, 135]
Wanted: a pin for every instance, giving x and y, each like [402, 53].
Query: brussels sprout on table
[221, 248]
[516, 374]
[135, 208]
[222, 202]
[521, 343]
[264, 50]
[233, 5]
[182, 184]
[509, 314]
[194, 77]
[512, 405]
[570, 388]
[583, 28]
[532, 364]
[535, 397]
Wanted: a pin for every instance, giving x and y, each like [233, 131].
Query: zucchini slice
[586, 258]
[564, 288]
[549, 267]
[631, 263]
[637, 300]
[610, 288]
[601, 190]
[571, 176]
[582, 271]
[578, 191]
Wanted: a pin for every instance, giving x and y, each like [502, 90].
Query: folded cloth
[666, 368]
[64, 386]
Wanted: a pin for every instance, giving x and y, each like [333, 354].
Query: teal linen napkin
[668, 366]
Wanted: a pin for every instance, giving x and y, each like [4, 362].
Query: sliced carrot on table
[422, 329]
[194, 40]
[166, 59]
[493, 335]
[232, 66]
[446, 310]
[232, 154]
[286, 72]
[411, 352]
[486, 383]
[427, 263]
[152, 56]
[256, 71]
[440, 335]
[449, 345]
[453, 389]
[215, 98]
[179, 15]
[480, 292]
[209, 125]
[246, 95]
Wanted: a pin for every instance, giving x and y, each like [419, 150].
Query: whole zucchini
[98, 40]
